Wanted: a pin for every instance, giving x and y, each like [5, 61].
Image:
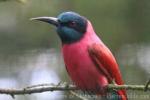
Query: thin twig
[38, 89]
[128, 87]
[63, 87]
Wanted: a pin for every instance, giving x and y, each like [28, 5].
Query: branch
[38, 89]
[128, 87]
[64, 87]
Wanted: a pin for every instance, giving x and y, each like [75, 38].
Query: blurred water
[44, 75]
[6, 82]
[31, 68]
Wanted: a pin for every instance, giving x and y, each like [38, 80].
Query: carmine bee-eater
[89, 62]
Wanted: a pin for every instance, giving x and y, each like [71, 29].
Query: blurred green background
[30, 52]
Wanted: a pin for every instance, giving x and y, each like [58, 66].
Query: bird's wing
[105, 62]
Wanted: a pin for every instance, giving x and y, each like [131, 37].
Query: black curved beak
[51, 20]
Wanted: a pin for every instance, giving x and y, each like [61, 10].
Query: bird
[89, 62]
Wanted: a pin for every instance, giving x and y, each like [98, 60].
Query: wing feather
[105, 62]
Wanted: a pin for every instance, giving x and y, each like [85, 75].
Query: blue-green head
[70, 26]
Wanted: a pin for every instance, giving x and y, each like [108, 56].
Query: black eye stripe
[63, 23]
[66, 23]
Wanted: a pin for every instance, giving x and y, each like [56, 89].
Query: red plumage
[91, 65]
[106, 64]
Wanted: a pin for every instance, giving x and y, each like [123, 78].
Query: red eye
[72, 24]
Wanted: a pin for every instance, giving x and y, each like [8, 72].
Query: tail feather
[122, 94]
